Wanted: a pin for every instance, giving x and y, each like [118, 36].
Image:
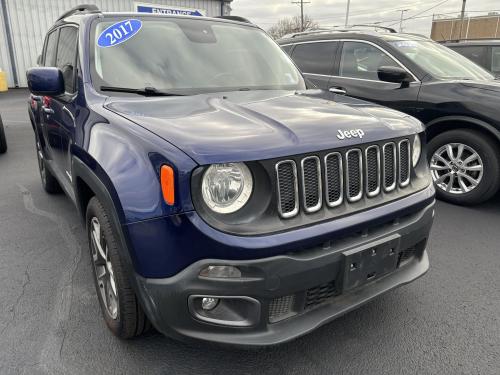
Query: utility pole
[402, 19]
[462, 16]
[347, 13]
[301, 2]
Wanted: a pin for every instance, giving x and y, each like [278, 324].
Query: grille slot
[320, 294]
[372, 155]
[404, 162]
[341, 177]
[354, 175]
[288, 191]
[334, 179]
[389, 175]
[311, 180]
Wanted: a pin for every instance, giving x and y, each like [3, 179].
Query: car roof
[484, 42]
[349, 34]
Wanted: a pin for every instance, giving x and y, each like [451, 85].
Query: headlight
[417, 150]
[227, 187]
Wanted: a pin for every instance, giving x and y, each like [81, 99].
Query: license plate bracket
[365, 264]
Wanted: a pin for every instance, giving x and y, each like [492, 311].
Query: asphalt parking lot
[447, 322]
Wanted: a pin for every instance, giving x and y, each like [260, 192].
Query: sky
[332, 12]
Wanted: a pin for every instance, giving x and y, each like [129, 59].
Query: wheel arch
[90, 180]
[443, 124]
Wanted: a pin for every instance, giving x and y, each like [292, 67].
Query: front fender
[131, 157]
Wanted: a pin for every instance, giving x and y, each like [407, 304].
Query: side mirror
[45, 81]
[393, 74]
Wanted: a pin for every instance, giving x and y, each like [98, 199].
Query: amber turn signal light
[167, 184]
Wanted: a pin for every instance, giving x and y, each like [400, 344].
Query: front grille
[344, 176]
[320, 294]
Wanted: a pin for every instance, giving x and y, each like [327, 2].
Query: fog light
[208, 303]
[222, 272]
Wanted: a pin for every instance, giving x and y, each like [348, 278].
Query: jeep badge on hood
[356, 133]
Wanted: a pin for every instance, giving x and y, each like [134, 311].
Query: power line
[422, 12]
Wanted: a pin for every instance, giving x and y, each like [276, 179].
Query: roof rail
[83, 8]
[341, 29]
[389, 29]
[235, 18]
[307, 32]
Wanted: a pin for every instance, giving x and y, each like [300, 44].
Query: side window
[495, 60]
[287, 48]
[315, 58]
[49, 58]
[362, 60]
[474, 53]
[66, 56]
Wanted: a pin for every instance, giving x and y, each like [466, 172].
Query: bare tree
[289, 25]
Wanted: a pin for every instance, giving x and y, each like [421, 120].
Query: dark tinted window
[362, 60]
[66, 56]
[474, 53]
[495, 60]
[316, 58]
[50, 49]
[287, 49]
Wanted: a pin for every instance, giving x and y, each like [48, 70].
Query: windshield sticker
[119, 33]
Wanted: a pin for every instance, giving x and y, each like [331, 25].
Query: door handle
[338, 90]
[70, 115]
[47, 110]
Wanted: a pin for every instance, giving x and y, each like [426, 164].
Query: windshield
[441, 62]
[188, 56]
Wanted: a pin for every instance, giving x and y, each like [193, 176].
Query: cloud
[266, 13]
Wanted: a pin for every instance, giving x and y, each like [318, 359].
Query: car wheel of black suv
[3, 141]
[465, 166]
[120, 308]
[49, 182]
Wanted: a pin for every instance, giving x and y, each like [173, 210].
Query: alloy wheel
[41, 163]
[456, 168]
[103, 269]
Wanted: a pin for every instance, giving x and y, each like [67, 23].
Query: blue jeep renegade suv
[223, 200]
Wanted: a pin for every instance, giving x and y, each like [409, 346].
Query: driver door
[357, 76]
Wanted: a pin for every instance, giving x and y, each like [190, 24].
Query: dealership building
[24, 23]
[470, 28]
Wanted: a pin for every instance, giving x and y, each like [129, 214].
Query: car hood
[255, 125]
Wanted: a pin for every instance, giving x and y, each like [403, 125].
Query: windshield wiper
[146, 91]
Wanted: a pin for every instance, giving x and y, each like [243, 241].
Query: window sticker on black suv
[119, 33]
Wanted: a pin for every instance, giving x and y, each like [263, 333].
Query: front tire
[465, 166]
[119, 305]
[3, 140]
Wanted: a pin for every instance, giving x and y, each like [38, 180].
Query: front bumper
[286, 296]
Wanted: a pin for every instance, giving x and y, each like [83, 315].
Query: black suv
[483, 52]
[457, 100]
